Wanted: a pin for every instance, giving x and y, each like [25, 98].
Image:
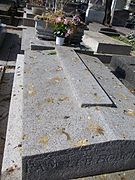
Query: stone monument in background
[95, 11]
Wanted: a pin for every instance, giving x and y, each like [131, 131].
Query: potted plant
[62, 29]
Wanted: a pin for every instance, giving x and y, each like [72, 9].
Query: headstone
[95, 12]
[120, 17]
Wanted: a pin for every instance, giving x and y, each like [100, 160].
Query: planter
[44, 30]
[59, 41]
[76, 37]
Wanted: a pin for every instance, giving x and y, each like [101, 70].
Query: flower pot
[59, 41]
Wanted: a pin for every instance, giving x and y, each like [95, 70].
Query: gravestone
[95, 12]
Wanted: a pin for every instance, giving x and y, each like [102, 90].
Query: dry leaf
[129, 112]
[56, 79]
[43, 140]
[63, 98]
[65, 133]
[31, 90]
[96, 129]
[81, 142]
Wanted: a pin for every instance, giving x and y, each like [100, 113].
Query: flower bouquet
[62, 29]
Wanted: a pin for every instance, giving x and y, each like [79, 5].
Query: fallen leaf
[56, 79]
[63, 98]
[65, 133]
[81, 142]
[129, 112]
[43, 140]
[96, 129]
[31, 90]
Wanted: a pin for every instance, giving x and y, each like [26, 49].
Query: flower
[62, 27]
[58, 19]
[76, 20]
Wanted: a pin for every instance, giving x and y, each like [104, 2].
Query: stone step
[61, 139]
[86, 89]
[12, 159]
[2, 69]
[101, 43]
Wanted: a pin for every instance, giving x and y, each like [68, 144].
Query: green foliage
[126, 40]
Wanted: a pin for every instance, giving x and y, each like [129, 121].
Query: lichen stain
[59, 68]
[96, 129]
[43, 140]
[81, 142]
[50, 100]
[32, 90]
[24, 137]
[129, 112]
[39, 119]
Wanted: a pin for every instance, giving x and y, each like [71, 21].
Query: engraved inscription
[80, 160]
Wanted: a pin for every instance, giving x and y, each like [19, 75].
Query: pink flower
[58, 19]
[69, 32]
[65, 21]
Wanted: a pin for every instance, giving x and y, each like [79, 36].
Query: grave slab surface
[57, 132]
[86, 89]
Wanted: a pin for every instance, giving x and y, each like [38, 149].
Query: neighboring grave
[2, 68]
[12, 158]
[95, 12]
[2, 33]
[124, 67]
[28, 18]
[101, 43]
[62, 140]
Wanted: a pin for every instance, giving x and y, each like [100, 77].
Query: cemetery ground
[8, 56]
